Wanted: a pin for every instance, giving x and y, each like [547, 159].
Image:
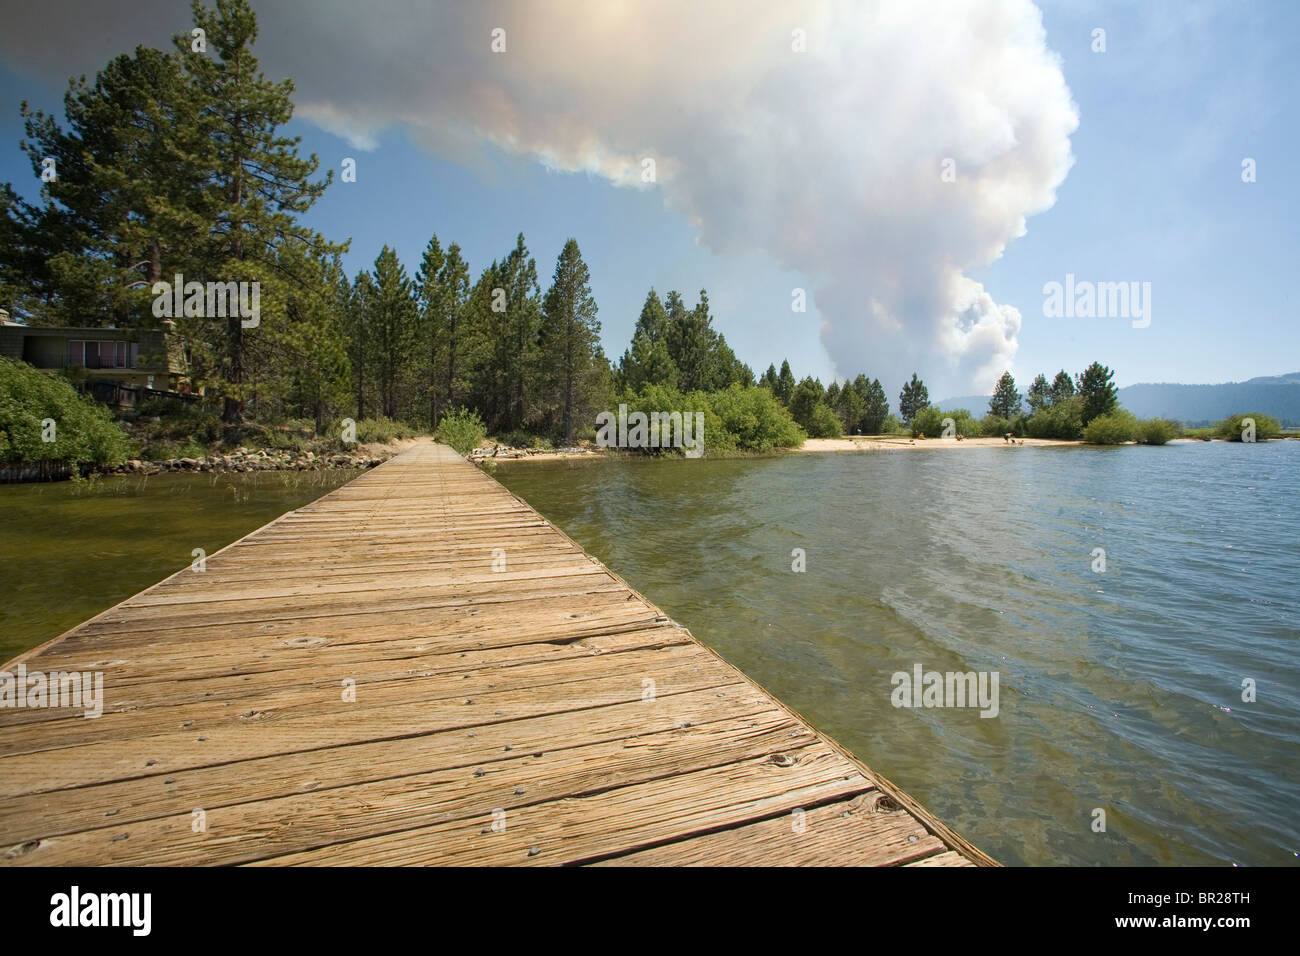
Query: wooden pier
[418, 668]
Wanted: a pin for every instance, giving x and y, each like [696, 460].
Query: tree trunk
[232, 413]
[451, 367]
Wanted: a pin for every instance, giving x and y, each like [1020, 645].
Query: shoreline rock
[244, 461]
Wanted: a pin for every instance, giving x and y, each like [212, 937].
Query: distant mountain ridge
[1276, 395]
[1291, 379]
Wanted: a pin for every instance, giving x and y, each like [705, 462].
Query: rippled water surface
[70, 550]
[1119, 690]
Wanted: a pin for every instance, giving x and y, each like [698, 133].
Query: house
[112, 358]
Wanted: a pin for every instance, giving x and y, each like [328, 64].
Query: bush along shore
[49, 432]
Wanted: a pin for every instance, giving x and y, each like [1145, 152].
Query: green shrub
[522, 439]
[1266, 426]
[159, 450]
[191, 448]
[892, 426]
[967, 425]
[383, 430]
[284, 439]
[1156, 431]
[735, 418]
[83, 429]
[994, 426]
[298, 428]
[824, 423]
[462, 429]
[661, 398]
[927, 422]
[1063, 420]
[1114, 428]
[755, 420]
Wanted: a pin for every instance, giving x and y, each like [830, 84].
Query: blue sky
[1166, 114]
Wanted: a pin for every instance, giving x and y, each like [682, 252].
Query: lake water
[1119, 690]
[70, 550]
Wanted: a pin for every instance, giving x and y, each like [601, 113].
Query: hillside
[1277, 395]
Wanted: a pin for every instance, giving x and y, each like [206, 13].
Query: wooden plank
[544, 713]
[947, 858]
[163, 794]
[467, 795]
[578, 828]
[870, 835]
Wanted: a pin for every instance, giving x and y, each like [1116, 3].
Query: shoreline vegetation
[48, 430]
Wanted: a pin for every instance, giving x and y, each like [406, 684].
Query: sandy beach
[881, 443]
[855, 443]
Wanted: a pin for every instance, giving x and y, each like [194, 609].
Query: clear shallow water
[1112, 685]
[69, 551]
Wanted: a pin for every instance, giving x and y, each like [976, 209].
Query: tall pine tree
[391, 321]
[1005, 402]
[914, 397]
[569, 336]
[255, 185]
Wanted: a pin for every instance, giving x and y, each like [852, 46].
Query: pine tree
[727, 370]
[1062, 387]
[674, 310]
[647, 363]
[504, 315]
[849, 405]
[255, 184]
[1099, 394]
[522, 322]
[876, 404]
[1039, 394]
[392, 322]
[453, 283]
[1005, 402]
[115, 218]
[769, 381]
[311, 368]
[569, 335]
[653, 321]
[482, 336]
[428, 297]
[441, 291]
[691, 343]
[914, 397]
[807, 395]
[785, 383]
[357, 329]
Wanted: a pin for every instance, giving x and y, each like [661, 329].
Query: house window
[121, 355]
[76, 352]
[133, 355]
[107, 354]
